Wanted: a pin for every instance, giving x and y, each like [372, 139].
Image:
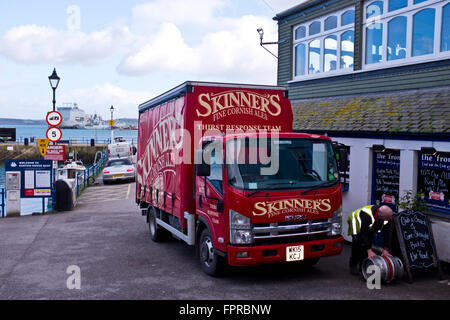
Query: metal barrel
[390, 267]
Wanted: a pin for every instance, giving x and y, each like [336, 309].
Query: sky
[123, 53]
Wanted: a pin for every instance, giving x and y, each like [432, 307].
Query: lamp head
[261, 33]
[54, 79]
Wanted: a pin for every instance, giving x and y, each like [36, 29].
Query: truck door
[209, 198]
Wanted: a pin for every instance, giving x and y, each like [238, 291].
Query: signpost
[53, 118]
[34, 178]
[415, 237]
[56, 153]
[54, 134]
[42, 145]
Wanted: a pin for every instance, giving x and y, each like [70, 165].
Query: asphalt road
[107, 238]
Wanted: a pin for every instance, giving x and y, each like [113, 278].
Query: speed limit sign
[54, 134]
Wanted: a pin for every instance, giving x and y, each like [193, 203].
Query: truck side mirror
[220, 205]
[134, 150]
[203, 169]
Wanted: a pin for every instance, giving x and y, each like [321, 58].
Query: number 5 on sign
[54, 134]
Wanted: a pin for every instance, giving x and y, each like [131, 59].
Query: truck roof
[186, 87]
[268, 134]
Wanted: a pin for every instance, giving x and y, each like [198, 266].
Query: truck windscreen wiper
[320, 186]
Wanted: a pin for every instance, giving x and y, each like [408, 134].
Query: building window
[445, 31]
[300, 56]
[397, 38]
[374, 9]
[423, 32]
[314, 56]
[405, 31]
[328, 46]
[330, 55]
[314, 28]
[300, 33]
[330, 23]
[347, 49]
[374, 43]
[397, 4]
[348, 17]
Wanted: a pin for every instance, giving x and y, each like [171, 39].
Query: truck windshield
[280, 164]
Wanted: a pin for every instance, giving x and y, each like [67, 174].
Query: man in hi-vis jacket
[363, 224]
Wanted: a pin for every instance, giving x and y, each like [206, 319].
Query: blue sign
[36, 177]
[386, 178]
[433, 180]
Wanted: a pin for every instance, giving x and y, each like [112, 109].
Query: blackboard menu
[416, 241]
[433, 180]
[386, 177]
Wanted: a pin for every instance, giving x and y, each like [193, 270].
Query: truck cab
[269, 198]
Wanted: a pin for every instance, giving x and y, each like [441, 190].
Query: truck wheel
[156, 233]
[211, 263]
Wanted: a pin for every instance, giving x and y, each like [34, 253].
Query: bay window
[324, 45]
[405, 31]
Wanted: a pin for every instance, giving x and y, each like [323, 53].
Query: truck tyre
[211, 263]
[156, 232]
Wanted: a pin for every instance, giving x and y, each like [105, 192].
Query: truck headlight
[336, 223]
[240, 229]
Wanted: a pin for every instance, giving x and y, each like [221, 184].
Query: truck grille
[291, 229]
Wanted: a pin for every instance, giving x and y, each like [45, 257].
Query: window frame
[408, 12]
[322, 35]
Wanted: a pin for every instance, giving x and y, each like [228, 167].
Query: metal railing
[87, 177]
[83, 141]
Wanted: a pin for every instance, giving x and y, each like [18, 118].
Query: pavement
[107, 239]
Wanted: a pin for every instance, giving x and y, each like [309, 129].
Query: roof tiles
[415, 111]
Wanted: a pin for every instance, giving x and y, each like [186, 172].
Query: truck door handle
[200, 200]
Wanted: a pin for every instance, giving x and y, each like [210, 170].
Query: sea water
[29, 206]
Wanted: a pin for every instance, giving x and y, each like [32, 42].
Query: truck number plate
[295, 253]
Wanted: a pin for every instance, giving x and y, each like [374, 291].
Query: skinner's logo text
[238, 103]
[275, 208]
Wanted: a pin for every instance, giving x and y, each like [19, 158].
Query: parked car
[119, 169]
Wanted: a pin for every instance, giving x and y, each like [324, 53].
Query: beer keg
[390, 267]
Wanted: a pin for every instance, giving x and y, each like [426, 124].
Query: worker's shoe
[354, 270]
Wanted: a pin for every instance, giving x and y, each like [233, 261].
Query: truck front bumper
[254, 255]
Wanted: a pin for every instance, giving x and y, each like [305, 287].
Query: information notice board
[433, 180]
[386, 177]
[36, 177]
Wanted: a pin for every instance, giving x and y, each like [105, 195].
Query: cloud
[100, 98]
[232, 52]
[32, 44]
[282, 5]
[179, 12]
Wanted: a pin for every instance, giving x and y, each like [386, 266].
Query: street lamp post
[112, 124]
[54, 81]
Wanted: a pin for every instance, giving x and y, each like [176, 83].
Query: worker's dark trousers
[358, 252]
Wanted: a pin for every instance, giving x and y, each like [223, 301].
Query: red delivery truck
[220, 168]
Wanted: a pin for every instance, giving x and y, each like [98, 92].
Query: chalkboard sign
[386, 177]
[433, 179]
[416, 241]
